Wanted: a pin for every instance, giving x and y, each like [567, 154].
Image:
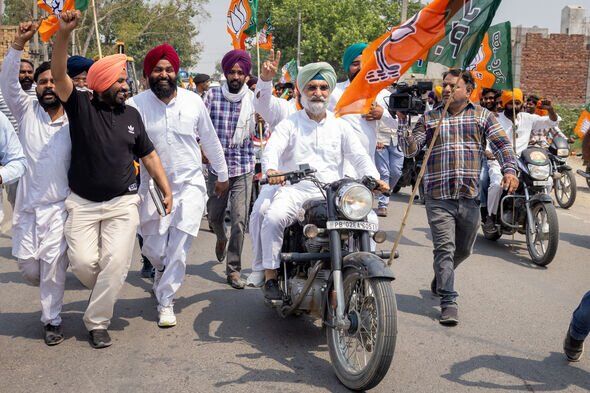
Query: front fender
[540, 198]
[369, 264]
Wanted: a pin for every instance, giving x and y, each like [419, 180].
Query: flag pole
[259, 123]
[96, 29]
[421, 174]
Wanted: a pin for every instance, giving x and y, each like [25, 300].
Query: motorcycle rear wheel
[361, 355]
[565, 190]
[543, 240]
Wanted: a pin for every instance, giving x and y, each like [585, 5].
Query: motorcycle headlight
[354, 201]
[563, 152]
[539, 172]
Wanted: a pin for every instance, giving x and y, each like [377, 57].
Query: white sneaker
[255, 279]
[166, 317]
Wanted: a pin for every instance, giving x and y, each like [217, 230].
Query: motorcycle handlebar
[293, 176]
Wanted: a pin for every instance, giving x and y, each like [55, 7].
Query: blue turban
[78, 65]
[351, 53]
[313, 71]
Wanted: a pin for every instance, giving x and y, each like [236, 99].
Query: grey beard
[313, 107]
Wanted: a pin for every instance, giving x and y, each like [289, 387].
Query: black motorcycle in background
[564, 179]
[328, 271]
[530, 209]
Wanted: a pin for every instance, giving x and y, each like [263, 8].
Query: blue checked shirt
[224, 115]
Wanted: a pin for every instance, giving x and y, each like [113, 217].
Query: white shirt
[174, 129]
[366, 130]
[12, 159]
[272, 109]
[46, 143]
[525, 123]
[324, 146]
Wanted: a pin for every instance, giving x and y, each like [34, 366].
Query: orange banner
[392, 54]
[51, 24]
[583, 124]
[239, 16]
[481, 76]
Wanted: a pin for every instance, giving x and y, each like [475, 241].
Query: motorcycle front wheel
[543, 238]
[362, 354]
[588, 178]
[565, 190]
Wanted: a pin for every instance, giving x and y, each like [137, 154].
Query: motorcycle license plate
[352, 225]
[542, 182]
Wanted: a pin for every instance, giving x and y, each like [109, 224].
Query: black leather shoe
[573, 348]
[99, 338]
[236, 281]
[53, 334]
[449, 316]
[272, 290]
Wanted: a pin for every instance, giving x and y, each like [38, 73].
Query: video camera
[408, 98]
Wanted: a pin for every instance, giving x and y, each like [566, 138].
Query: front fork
[336, 257]
[529, 211]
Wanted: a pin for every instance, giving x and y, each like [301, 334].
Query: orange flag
[583, 124]
[54, 7]
[239, 19]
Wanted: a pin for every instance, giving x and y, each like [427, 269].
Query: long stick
[420, 175]
[96, 30]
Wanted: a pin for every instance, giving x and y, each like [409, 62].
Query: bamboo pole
[96, 29]
[421, 174]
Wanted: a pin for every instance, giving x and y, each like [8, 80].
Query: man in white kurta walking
[39, 217]
[174, 118]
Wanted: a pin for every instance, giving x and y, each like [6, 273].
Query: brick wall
[556, 67]
[7, 34]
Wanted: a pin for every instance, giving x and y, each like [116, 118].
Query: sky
[528, 13]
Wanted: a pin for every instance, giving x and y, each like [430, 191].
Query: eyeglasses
[317, 87]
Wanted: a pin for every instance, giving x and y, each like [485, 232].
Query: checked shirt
[454, 167]
[224, 115]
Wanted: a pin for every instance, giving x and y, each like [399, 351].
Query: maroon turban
[239, 57]
[158, 53]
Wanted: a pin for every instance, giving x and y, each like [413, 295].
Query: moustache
[317, 99]
[48, 92]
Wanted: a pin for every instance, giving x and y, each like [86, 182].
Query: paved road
[513, 319]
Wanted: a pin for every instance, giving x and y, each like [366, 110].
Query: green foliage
[569, 117]
[140, 24]
[329, 26]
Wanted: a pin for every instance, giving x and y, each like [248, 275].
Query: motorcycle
[530, 209]
[564, 180]
[329, 272]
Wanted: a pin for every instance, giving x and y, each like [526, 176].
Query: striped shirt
[454, 167]
[224, 115]
[4, 108]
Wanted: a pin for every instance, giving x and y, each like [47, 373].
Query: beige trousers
[101, 237]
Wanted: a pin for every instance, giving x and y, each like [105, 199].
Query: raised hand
[26, 31]
[270, 66]
[68, 20]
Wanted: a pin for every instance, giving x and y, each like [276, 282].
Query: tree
[329, 26]
[141, 24]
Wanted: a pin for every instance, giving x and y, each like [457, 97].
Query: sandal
[53, 334]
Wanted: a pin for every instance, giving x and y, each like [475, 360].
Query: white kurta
[39, 213]
[366, 130]
[324, 146]
[174, 129]
[272, 109]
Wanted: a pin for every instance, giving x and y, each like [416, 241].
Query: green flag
[251, 31]
[81, 4]
[419, 67]
[463, 34]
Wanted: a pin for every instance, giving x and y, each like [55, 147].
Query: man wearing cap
[174, 118]
[102, 207]
[231, 109]
[38, 240]
[312, 136]
[78, 67]
[202, 82]
[524, 124]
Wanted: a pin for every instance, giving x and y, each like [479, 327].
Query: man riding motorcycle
[525, 123]
[313, 136]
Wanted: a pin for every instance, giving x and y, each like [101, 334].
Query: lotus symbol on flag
[236, 18]
[56, 5]
[477, 59]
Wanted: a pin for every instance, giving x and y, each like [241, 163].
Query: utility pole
[299, 40]
[35, 52]
[1, 11]
[404, 13]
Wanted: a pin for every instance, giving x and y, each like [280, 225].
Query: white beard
[313, 107]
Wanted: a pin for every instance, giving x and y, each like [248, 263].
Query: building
[574, 20]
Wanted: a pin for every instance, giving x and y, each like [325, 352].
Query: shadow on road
[510, 251]
[426, 304]
[574, 239]
[550, 374]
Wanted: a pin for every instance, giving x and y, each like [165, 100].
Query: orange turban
[105, 72]
[508, 94]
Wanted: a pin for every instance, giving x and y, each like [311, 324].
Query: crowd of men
[80, 203]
